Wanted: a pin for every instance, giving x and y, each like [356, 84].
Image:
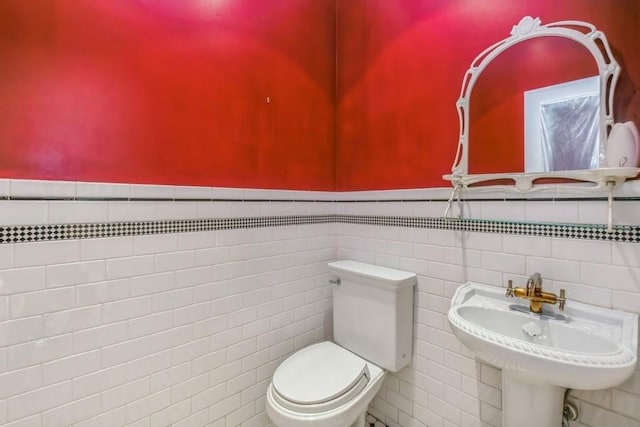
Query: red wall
[169, 92]
[400, 68]
[174, 92]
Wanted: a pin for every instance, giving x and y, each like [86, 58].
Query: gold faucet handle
[562, 299]
[509, 292]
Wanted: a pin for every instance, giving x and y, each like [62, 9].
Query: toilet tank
[373, 312]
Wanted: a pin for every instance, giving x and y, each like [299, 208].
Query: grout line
[244, 199]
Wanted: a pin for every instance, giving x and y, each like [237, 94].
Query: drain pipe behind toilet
[570, 412]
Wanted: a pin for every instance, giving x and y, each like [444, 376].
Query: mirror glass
[532, 108]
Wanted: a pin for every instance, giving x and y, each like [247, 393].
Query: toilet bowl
[332, 384]
[323, 385]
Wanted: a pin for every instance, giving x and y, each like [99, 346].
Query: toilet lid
[320, 373]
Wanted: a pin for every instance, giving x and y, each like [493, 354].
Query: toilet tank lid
[389, 278]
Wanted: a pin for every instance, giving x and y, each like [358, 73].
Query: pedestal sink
[586, 348]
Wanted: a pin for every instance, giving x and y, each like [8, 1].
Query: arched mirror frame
[596, 43]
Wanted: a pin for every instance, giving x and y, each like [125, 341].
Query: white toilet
[331, 384]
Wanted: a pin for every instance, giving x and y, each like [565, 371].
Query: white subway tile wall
[186, 329]
[173, 329]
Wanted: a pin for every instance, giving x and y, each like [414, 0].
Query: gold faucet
[533, 292]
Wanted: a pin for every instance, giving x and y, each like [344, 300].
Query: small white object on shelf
[622, 148]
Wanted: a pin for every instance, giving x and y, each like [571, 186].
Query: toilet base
[361, 420]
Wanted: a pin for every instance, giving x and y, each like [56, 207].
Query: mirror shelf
[525, 182]
[595, 42]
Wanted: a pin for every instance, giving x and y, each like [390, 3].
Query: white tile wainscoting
[186, 328]
[180, 329]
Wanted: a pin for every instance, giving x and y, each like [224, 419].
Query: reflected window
[562, 126]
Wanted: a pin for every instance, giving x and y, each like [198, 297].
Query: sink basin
[592, 348]
[548, 333]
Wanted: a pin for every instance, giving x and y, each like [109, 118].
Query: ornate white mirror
[542, 109]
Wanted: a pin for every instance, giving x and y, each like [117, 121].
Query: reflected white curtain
[570, 133]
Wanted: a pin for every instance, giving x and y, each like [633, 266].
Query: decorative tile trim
[52, 232]
[621, 233]
[49, 232]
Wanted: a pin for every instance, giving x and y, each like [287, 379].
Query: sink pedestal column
[527, 404]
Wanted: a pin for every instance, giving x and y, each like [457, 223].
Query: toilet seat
[319, 378]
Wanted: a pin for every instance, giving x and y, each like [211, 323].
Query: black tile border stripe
[55, 232]
[620, 233]
[51, 232]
